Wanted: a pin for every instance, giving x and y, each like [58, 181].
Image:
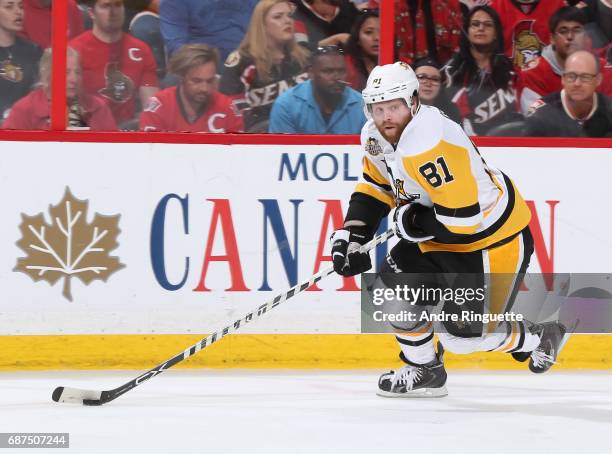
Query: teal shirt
[296, 111]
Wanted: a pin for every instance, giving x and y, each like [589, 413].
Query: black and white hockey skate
[552, 339]
[415, 380]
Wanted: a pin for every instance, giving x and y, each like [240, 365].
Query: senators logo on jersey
[10, 71]
[526, 46]
[119, 87]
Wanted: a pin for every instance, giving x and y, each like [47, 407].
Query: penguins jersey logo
[401, 197]
[119, 87]
[11, 72]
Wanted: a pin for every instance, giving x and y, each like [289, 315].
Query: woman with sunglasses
[362, 48]
[479, 77]
[268, 62]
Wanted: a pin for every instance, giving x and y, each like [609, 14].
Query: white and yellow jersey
[436, 165]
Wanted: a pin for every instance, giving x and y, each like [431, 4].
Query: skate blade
[415, 394]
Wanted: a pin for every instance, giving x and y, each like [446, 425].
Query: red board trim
[272, 139]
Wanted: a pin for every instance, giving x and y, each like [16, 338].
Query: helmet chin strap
[415, 105]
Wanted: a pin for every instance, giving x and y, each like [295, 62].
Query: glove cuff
[404, 227]
[342, 235]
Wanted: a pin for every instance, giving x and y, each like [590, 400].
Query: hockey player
[453, 214]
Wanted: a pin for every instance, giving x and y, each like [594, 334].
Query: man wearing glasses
[577, 110]
[542, 76]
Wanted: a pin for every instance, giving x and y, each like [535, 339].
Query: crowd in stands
[497, 67]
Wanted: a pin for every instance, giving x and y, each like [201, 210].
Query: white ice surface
[210, 411]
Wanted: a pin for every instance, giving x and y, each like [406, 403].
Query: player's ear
[598, 79]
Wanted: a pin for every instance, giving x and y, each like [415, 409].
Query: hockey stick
[91, 397]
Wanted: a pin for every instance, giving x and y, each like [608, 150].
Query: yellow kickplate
[300, 351]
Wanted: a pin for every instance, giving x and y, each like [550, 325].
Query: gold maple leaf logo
[69, 246]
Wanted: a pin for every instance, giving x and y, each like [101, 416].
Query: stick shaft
[236, 325]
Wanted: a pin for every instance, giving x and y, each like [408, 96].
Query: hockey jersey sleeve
[375, 183]
[373, 197]
[150, 118]
[445, 173]
[149, 73]
[237, 75]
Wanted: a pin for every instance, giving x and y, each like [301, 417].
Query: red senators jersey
[33, 112]
[116, 71]
[165, 113]
[37, 22]
[411, 29]
[525, 33]
[606, 70]
[536, 80]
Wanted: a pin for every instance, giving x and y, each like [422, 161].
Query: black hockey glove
[348, 261]
[406, 226]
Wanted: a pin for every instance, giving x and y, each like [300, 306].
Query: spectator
[37, 21]
[194, 105]
[600, 31]
[83, 111]
[322, 105]
[267, 63]
[542, 76]
[362, 48]
[220, 24]
[116, 65]
[577, 110]
[18, 56]
[431, 91]
[426, 29]
[479, 77]
[326, 22]
[525, 25]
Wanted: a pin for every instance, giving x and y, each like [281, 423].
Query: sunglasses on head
[331, 49]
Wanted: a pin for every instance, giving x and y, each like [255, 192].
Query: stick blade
[63, 394]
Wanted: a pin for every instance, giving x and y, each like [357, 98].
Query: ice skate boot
[551, 343]
[415, 380]
[552, 340]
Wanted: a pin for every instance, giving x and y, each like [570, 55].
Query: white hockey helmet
[387, 82]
